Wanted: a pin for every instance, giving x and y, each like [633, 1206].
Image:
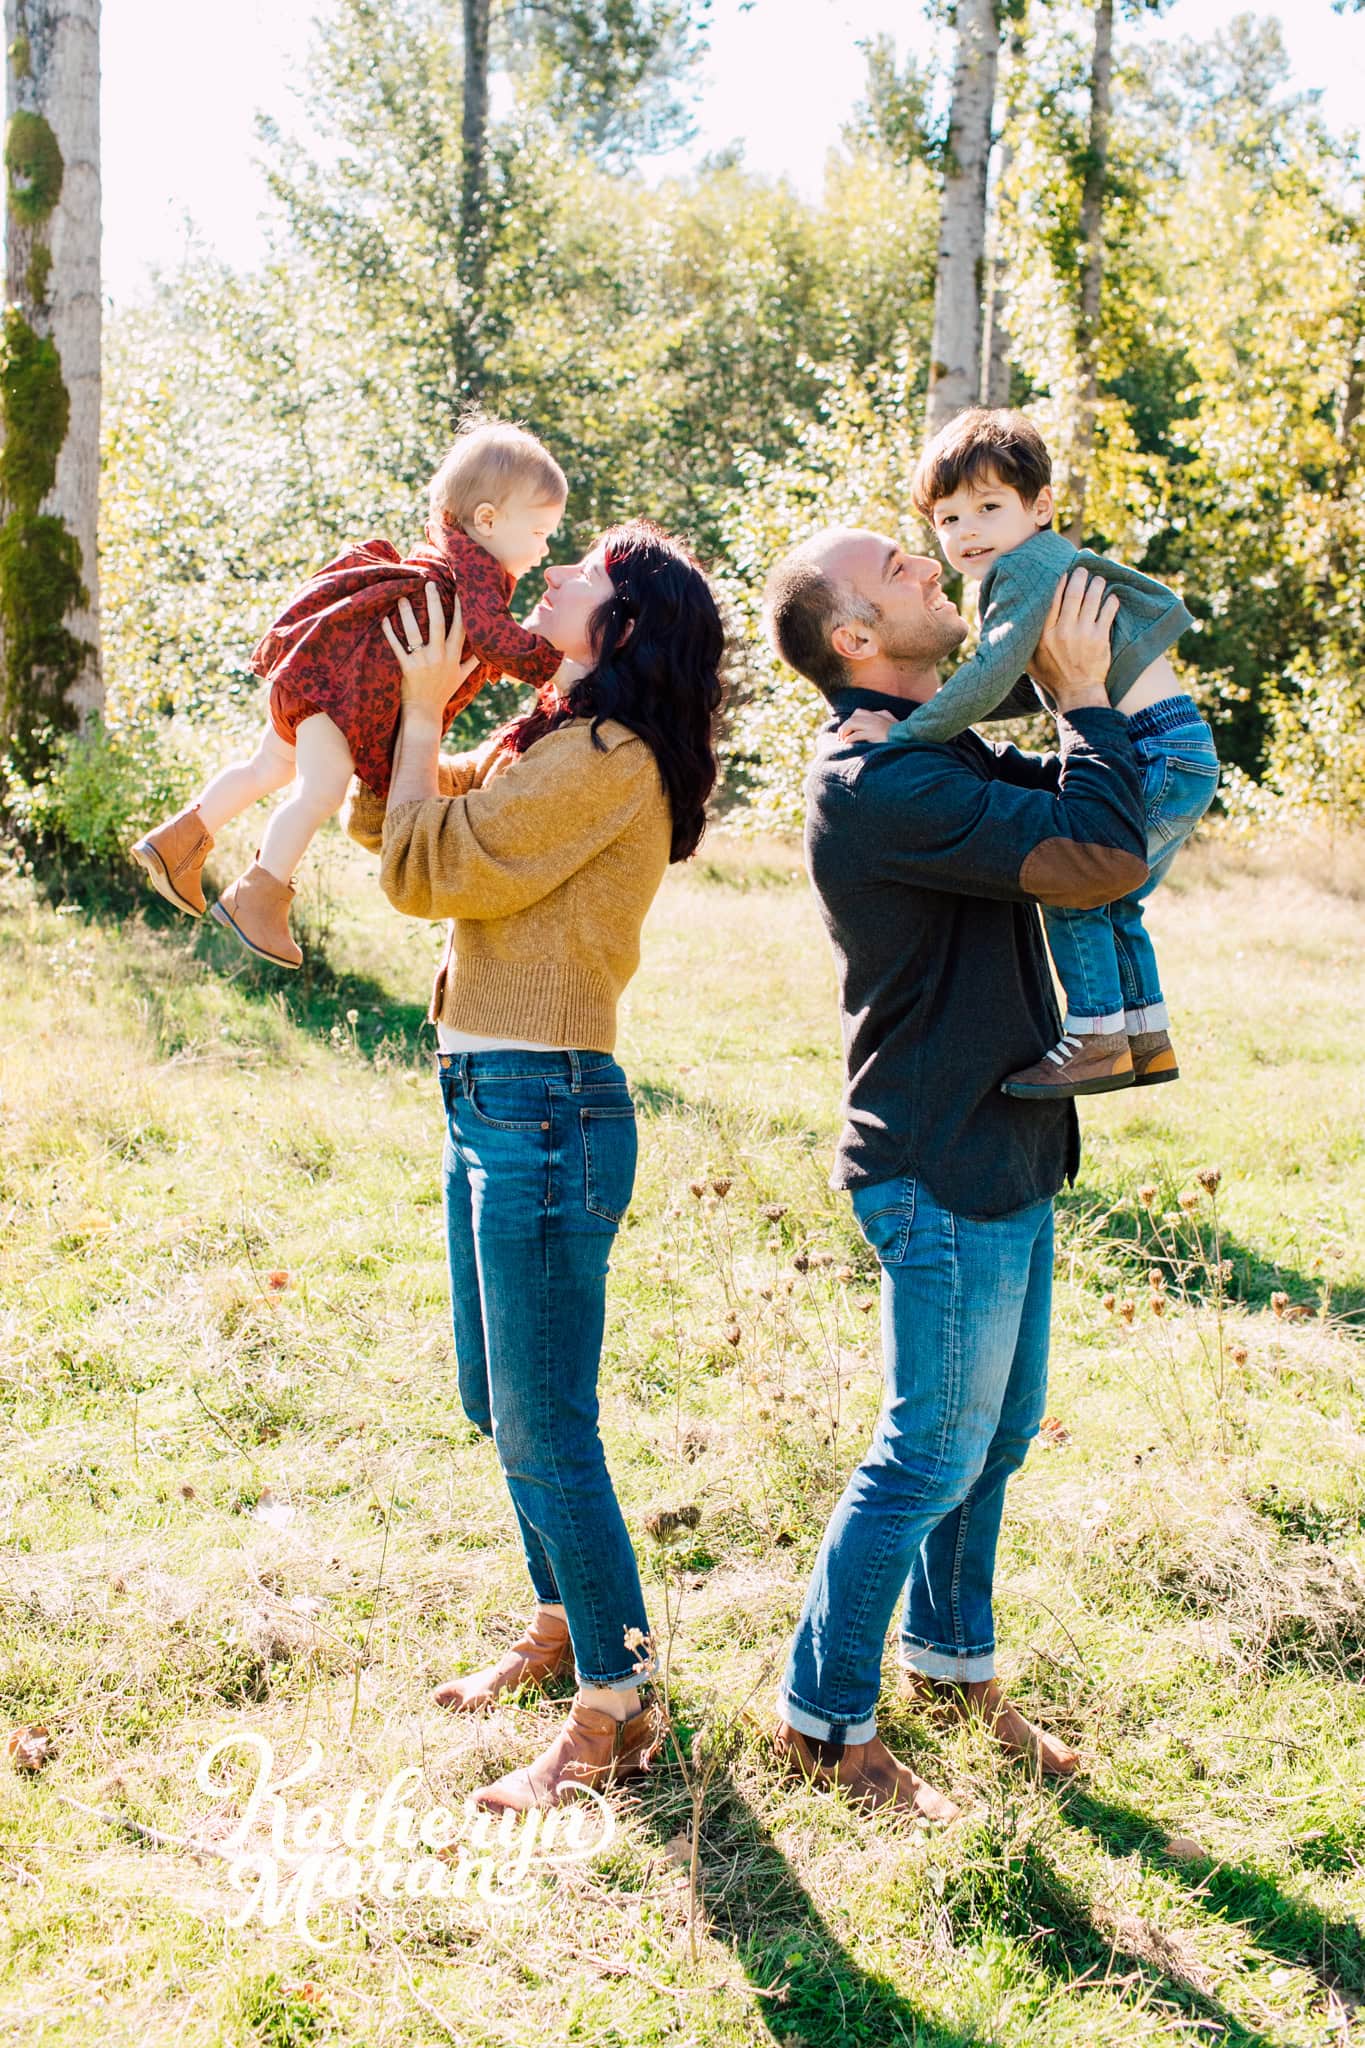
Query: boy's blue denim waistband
[1164, 716]
[569, 1065]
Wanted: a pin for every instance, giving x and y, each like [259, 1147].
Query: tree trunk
[473, 262]
[955, 362]
[996, 343]
[1092, 261]
[50, 372]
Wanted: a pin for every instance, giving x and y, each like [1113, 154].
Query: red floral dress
[326, 651]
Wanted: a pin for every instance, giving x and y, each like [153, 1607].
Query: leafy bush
[101, 788]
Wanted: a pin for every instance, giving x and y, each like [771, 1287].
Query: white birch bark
[1092, 262]
[955, 358]
[996, 342]
[62, 84]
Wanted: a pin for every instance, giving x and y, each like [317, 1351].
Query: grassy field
[237, 1493]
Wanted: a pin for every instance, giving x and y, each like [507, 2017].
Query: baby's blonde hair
[490, 459]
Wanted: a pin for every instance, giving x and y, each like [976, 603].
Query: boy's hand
[866, 725]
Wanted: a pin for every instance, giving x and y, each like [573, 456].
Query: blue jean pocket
[611, 1146]
[1179, 784]
[885, 1210]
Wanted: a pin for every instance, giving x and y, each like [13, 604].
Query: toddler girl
[335, 682]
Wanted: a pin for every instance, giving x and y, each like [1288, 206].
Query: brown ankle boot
[174, 856]
[867, 1771]
[1085, 1063]
[1153, 1058]
[256, 907]
[983, 1701]
[543, 1651]
[593, 1748]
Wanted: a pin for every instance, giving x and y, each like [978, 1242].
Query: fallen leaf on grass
[276, 1514]
[1053, 1430]
[1186, 1850]
[29, 1748]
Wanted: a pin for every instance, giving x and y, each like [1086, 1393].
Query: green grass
[222, 1289]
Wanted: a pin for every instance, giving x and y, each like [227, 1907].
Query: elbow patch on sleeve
[1075, 876]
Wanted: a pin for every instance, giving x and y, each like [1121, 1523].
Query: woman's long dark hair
[657, 644]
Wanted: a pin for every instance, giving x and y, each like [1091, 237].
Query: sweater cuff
[1099, 725]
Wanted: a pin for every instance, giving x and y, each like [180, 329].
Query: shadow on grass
[1128, 1234]
[810, 1988]
[313, 998]
[807, 1985]
[1284, 1927]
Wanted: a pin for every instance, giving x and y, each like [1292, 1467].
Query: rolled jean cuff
[1147, 1017]
[619, 1681]
[961, 1667]
[809, 1721]
[1089, 1025]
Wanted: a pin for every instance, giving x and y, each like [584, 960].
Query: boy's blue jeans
[1104, 958]
[965, 1319]
[539, 1167]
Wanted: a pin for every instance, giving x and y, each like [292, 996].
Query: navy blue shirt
[929, 863]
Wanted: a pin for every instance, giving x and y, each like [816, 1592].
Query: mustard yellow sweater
[546, 864]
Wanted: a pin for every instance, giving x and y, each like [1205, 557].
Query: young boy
[985, 483]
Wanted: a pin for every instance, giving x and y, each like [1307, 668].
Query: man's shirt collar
[852, 699]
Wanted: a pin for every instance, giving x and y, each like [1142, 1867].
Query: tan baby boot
[173, 856]
[1085, 1063]
[256, 907]
[1153, 1058]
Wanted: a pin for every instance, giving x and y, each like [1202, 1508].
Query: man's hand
[866, 725]
[432, 668]
[1072, 658]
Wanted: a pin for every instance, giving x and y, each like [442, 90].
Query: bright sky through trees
[182, 85]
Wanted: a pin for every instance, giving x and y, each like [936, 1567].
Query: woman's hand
[1072, 657]
[432, 668]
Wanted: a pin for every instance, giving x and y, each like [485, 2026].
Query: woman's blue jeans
[1104, 958]
[966, 1308]
[539, 1167]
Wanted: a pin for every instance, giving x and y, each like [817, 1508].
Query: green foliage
[745, 365]
[612, 74]
[40, 558]
[100, 788]
[33, 166]
[34, 408]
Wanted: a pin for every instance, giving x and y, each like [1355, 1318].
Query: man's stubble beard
[930, 641]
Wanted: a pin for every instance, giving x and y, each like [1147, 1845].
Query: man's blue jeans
[966, 1308]
[1104, 958]
[539, 1167]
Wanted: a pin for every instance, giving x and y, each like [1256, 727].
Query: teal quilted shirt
[1016, 596]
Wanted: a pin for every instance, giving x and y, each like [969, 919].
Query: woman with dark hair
[545, 848]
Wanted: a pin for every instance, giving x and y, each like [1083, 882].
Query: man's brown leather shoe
[543, 1651]
[593, 1748]
[983, 1701]
[866, 1770]
[1153, 1058]
[1085, 1063]
[173, 855]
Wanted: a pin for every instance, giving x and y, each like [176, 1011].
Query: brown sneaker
[544, 1651]
[867, 1771]
[256, 907]
[593, 1748]
[1085, 1063]
[174, 856]
[1153, 1058]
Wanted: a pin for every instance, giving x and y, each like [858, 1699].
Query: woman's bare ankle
[551, 1607]
[618, 1701]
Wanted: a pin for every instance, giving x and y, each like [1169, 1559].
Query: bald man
[929, 862]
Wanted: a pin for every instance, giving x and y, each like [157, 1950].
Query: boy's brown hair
[490, 459]
[985, 442]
